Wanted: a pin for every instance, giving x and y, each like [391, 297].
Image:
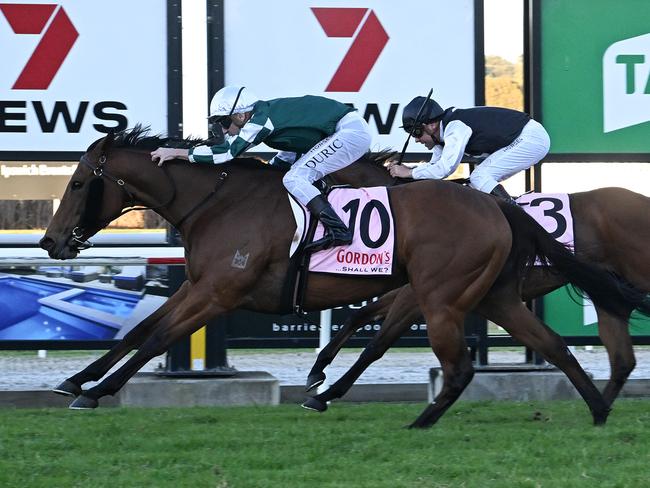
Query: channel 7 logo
[626, 83]
[58, 35]
[368, 40]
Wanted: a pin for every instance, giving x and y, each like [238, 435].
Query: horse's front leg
[197, 306]
[402, 313]
[132, 340]
[373, 311]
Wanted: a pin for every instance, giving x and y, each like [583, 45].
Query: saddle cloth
[553, 212]
[367, 211]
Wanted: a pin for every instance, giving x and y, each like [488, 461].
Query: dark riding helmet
[430, 112]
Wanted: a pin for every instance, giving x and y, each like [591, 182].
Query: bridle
[99, 170]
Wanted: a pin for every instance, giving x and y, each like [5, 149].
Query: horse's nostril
[46, 243]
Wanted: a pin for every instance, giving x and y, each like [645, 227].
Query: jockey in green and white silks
[328, 134]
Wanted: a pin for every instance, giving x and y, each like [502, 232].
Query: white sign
[72, 71]
[626, 83]
[376, 55]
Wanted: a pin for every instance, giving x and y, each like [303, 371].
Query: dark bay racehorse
[611, 227]
[241, 209]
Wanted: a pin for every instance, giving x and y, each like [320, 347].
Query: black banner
[250, 329]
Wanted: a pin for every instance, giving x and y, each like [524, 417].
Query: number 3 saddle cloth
[553, 212]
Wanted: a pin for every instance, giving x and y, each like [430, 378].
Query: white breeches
[525, 151]
[350, 141]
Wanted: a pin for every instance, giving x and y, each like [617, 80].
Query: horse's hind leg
[403, 311]
[447, 339]
[616, 338]
[132, 340]
[506, 309]
[372, 311]
[184, 319]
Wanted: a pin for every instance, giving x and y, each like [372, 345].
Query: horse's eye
[76, 185]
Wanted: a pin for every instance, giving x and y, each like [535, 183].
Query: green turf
[496, 444]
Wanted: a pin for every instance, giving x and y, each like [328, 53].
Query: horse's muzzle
[64, 251]
[47, 243]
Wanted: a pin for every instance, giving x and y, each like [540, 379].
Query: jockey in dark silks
[328, 134]
[509, 140]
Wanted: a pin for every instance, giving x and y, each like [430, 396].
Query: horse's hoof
[68, 388]
[83, 403]
[598, 421]
[600, 417]
[315, 404]
[314, 380]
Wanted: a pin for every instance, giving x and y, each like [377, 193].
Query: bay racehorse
[611, 227]
[241, 209]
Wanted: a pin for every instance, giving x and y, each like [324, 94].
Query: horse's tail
[531, 243]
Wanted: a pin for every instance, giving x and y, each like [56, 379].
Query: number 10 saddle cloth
[367, 212]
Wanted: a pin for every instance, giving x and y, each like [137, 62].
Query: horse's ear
[107, 141]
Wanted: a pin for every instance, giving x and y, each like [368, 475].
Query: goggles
[225, 121]
[416, 131]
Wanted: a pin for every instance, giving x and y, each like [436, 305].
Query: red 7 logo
[364, 50]
[53, 48]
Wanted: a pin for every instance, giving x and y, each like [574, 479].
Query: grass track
[540, 444]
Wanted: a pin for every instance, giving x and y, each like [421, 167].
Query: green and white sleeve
[251, 134]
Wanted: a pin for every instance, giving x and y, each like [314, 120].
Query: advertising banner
[76, 303]
[374, 55]
[595, 75]
[73, 71]
[250, 329]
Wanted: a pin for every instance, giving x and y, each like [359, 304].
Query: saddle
[369, 254]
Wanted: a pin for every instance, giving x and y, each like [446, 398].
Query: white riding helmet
[232, 100]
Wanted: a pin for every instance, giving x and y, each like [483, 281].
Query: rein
[99, 170]
[220, 181]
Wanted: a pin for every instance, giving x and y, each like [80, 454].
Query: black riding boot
[336, 233]
[500, 192]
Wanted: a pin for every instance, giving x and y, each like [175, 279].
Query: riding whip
[415, 123]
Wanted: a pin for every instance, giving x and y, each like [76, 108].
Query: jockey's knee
[299, 187]
[289, 180]
[482, 181]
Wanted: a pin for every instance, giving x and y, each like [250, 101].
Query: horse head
[115, 175]
[95, 195]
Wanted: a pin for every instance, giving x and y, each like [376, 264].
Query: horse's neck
[171, 191]
[219, 190]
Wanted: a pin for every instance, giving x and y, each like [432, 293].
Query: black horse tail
[531, 244]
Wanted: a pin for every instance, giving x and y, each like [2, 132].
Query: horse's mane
[138, 137]
[379, 158]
